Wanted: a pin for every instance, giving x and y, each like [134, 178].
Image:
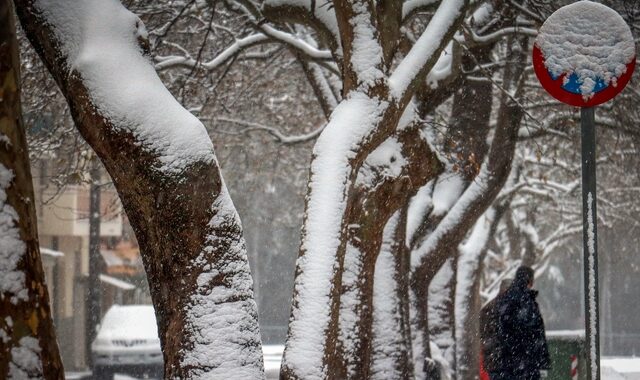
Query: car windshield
[129, 322]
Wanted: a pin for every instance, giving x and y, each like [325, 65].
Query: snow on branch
[319, 14]
[449, 13]
[296, 43]
[327, 95]
[363, 53]
[268, 35]
[411, 7]
[499, 34]
[277, 135]
[100, 39]
[459, 210]
[231, 51]
[293, 41]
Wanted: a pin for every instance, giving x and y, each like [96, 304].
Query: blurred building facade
[63, 228]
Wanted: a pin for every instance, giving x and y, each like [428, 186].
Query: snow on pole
[584, 56]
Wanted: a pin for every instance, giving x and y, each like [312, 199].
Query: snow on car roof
[588, 39]
[131, 322]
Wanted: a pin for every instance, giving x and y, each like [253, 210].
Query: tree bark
[375, 203]
[28, 345]
[366, 117]
[391, 356]
[465, 148]
[189, 233]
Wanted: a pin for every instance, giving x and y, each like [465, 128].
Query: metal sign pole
[590, 241]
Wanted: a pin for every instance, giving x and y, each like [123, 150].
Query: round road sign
[584, 54]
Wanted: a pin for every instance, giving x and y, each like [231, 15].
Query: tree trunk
[28, 345]
[467, 293]
[441, 311]
[164, 168]
[94, 294]
[465, 148]
[378, 197]
[391, 356]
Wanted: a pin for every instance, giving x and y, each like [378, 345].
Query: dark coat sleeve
[540, 338]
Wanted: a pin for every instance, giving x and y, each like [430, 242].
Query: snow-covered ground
[613, 368]
[272, 359]
[621, 368]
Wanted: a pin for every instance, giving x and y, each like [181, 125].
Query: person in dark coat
[489, 320]
[521, 334]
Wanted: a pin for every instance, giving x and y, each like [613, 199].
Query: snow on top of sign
[588, 39]
[100, 41]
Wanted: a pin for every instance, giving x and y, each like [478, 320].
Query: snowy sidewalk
[621, 368]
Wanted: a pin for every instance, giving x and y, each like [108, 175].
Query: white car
[127, 342]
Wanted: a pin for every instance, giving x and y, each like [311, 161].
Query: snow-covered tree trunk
[468, 301]
[441, 315]
[391, 347]
[373, 102]
[467, 298]
[391, 174]
[465, 147]
[429, 256]
[28, 345]
[164, 168]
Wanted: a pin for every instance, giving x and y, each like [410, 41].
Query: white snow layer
[457, 211]
[12, 248]
[351, 122]
[122, 322]
[25, 356]
[443, 67]
[386, 160]
[425, 47]
[467, 273]
[223, 317]
[25, 360]
[447, 191]
[349, 302]
[366, 57]
[100, 40]
[322, 10]
[387, 336]
[588, 39]
[419, 206]
[439, 299]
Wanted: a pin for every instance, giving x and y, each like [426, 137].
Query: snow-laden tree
[347, 340]
[28, 346]
[164, 168]
[412, 184]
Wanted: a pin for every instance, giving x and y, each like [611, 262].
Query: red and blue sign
[566, 87]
